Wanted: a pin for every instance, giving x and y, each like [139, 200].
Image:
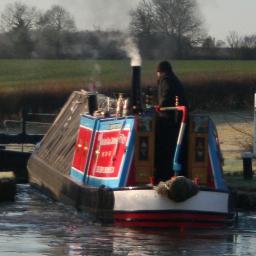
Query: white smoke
[132, 51]
[94, 81]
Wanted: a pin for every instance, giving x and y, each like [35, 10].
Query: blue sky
[220, 16]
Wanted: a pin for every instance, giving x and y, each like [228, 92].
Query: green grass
[33, 73]
[211, 67]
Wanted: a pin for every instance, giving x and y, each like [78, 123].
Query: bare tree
[248, 47]
[176, 21]
[249, 42]
[55, 27]
[57, 19]
[178, 17]
[234, 41]
[17, 15]
[142, 26]
[18, 21]
[142, 19]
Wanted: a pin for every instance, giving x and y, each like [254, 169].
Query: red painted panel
[166, 224]
[169, 220]
[108, 153]
[82, 148]
[169, 216]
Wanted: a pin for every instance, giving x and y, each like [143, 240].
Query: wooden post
[7, 186]
[247, 165]
[254, 134]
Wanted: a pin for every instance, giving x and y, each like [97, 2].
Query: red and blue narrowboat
[105, 165]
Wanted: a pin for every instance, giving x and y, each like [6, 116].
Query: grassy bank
[33, 73]
[209, 84]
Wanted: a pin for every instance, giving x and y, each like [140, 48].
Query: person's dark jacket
[169, 87]
[167, 125]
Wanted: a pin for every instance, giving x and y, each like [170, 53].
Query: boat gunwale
[150, 187]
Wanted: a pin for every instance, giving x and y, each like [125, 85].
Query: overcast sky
[220, 16]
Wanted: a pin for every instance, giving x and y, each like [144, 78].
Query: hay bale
[7, 186]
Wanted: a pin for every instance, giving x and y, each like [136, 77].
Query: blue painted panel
[215, 158]
[88, 121]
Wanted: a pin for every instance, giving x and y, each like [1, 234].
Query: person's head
[164, 68]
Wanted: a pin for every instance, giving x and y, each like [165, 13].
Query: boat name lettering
[113, 140]
[115, 126]
[106, 170]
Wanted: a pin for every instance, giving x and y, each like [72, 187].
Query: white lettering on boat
[115, 126]
[112, 140]
[105, 170]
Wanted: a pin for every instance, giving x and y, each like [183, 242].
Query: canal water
[36, 225]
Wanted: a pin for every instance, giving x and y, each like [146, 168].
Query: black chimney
[92, 103]
[136, 101]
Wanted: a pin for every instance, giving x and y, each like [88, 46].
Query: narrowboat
[103, 163]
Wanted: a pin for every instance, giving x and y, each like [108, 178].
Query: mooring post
[247, 165]
[7, 186]
[254, 124]
[24, 120]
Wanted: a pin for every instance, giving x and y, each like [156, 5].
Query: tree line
[162, 29]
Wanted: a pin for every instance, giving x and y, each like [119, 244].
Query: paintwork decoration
[104, 151]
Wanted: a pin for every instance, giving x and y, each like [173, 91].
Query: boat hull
[61, 187]
[134, 207]
[146, 208]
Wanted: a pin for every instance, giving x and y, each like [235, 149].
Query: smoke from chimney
[132, 51]
[94, 80]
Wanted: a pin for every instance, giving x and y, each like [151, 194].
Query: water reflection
[35, 225]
